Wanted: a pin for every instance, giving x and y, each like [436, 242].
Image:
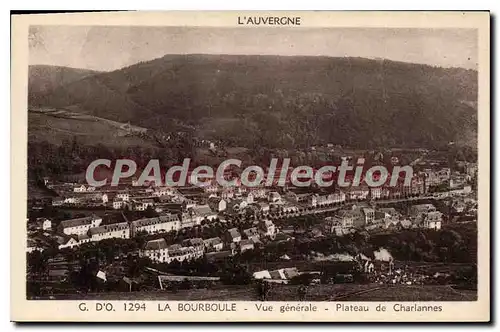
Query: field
[55, 126]
[338, 292]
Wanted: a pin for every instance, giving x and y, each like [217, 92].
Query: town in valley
[167, 93]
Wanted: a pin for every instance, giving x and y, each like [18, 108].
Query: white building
[124, 196]
[433, 220]
[164, 223]
[80, 189]
[119, 230]
[79, 226]
[184, 253]
[323, 200]
[267, 228]
[274, 197]
[213, 244]
[156, 250]
[46, 224]
[117, 205]
[217, 204]
[201, 212]
[142, 205]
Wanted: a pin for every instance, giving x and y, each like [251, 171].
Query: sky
[107, 48]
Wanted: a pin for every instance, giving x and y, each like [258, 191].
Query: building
[324, 200]
[432, 220]
[124, 196]
[44, 223]
[267, 228]
[202, 212]
[417, 210]
[118, 204]
[163, 191]
[142, 205]
[79, 226]
[217, 204]
[156, 250]
[252, 234]
[426, 215]
[80, 189]
[72, 241]
[164, 223]
[119, 230]
[237, 205]
[213, 244]
[369, 215]
[274, 197]
[194, 242]
[356, 193]
[263, 207]
[246, 245]
[234, 235]
[180, 253]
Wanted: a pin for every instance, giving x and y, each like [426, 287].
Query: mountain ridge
[281, 101]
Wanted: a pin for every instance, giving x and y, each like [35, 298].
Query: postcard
[250, 167]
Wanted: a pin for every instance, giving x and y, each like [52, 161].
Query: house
[418, 210]
[299, 197]
[389, 213]
[252, 234]
[118, 230]
[142, 205]
[258, 192]
[263, 207]
[274, 197]
[317, 200]
[246, 245]
[337, 225]
[33, 246]
[432, 220]
[217, 204]
[80, 189]
[67, 242]
[194, 242]
[213, 244]
[44, 223]
[345, 218]
[267, 228]
[162, 191]
[249, 198]
[72, 241]
[426, 215]
[184, 253]
[57, 201]
[237, 205]
[357, 193]
[369, 215]
[124, 196]
[79, 226]
[376, 192]
[264, 274]
[164, 223]
[234, 235]
[71, 200]
[202, 212]
[156, 250]
[104, 198]
[118, 204]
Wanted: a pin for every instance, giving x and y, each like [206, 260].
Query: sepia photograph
[266, 161]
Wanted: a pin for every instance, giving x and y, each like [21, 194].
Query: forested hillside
[276, 101]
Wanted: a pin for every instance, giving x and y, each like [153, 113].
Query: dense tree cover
[272, 101]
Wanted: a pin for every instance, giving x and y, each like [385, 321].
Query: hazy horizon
[108, 48]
